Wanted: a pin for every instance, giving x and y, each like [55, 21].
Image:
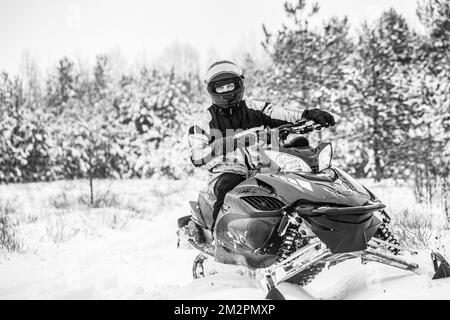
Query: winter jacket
[217, 124]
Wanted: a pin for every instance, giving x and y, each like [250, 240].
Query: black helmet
[225, 83]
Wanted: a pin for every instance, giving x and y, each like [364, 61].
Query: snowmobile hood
[332, 187]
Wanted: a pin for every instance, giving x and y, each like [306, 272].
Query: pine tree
[159, 106]
[384, 53]
[308, 63]
[61, 86]
[312, 69]
[24, 142]
[31, 79]
[431, 136]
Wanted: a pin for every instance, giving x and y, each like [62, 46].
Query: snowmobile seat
[298, 142]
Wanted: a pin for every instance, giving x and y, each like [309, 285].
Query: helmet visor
[224, 86]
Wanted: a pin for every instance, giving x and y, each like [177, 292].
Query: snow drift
[141, 261]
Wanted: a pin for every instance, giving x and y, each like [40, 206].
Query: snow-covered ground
[128, 250]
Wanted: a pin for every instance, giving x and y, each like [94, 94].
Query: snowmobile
[301, 216]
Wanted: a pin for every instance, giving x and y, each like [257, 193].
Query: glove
[321, 117]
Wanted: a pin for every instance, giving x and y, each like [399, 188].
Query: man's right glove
[321, 117]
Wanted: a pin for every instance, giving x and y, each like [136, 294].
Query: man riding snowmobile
[288, 211]
[221, 124]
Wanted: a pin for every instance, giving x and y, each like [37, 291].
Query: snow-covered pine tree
[61, 86]
[159, 106]
[312, 69]
[24, 141]
[308, 63]
[431, 133]
[89, 135]
[32, 82]
[383, 56]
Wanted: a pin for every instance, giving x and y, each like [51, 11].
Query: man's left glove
[325, 119]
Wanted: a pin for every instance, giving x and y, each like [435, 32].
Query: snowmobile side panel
[249, 233]
[293, 187]
[241, 237]
[345, 233]
[247, 224]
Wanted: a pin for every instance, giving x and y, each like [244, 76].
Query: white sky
[49, 29]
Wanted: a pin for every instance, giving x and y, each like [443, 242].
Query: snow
[138, 259]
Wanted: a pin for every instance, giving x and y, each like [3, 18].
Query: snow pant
[225, 183]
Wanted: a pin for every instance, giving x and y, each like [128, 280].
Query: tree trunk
[91, 177]
[376, 147]
[91, 186]
[446, 201]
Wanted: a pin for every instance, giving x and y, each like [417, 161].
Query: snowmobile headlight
[325, 157]
[286, 162]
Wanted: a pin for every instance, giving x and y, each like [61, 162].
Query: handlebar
[301, 127]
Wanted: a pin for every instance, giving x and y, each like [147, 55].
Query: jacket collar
[228, 111]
